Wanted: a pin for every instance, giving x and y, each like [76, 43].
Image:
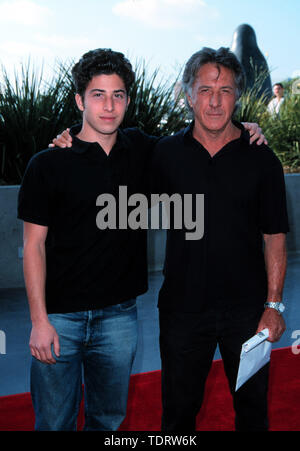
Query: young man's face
[104, 104]
[213, 97]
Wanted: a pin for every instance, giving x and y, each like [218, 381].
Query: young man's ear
[128, 102]
[79, 102]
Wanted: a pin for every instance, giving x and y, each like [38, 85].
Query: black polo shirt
[244, 197]
[87, 268]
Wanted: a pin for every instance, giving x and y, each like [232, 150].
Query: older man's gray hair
[221, 57]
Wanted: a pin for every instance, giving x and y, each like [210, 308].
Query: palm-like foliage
[32, 113]
[282, 131]
[252, 103]
[153, 107]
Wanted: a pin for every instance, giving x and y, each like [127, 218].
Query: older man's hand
[273, 321]
[63, 140]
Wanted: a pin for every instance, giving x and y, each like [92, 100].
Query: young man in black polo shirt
[215, 289]
[82, 281]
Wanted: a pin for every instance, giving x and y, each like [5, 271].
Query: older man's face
[213, 97]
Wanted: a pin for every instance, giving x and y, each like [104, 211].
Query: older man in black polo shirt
[215, 289]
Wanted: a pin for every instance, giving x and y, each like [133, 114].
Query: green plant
[282, 131]
[252, 103]
[153, 107]
[32, 113]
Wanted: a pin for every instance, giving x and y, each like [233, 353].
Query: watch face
[281, 308]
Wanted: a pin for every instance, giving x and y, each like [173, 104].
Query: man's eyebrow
[103, 90]
[210, 86]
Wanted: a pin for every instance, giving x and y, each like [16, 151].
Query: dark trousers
[187, 343]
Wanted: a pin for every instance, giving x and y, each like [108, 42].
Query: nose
[215, 100]
[109, 104]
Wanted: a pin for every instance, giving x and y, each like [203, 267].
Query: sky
[163, 33]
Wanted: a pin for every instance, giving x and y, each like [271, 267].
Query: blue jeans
[99, 345]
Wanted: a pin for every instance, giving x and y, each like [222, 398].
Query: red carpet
[144, 407]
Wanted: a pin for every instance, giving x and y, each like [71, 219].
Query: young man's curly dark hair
[101, 62]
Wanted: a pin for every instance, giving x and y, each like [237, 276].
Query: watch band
[278, 306]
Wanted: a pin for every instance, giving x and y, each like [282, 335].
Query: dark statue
[244, 46]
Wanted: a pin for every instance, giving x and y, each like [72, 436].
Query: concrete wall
[11, 263]
[293, 204]
[11, 237]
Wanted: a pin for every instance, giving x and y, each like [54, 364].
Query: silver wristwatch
[276, 305]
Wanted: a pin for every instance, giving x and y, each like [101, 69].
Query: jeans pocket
[128, 305]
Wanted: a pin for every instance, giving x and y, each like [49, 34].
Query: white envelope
[255, 354]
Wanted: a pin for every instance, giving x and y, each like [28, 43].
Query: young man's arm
[43, 334]
[276, 262]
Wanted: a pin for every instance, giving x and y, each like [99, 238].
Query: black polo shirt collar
[79, 146]
[243, 139]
